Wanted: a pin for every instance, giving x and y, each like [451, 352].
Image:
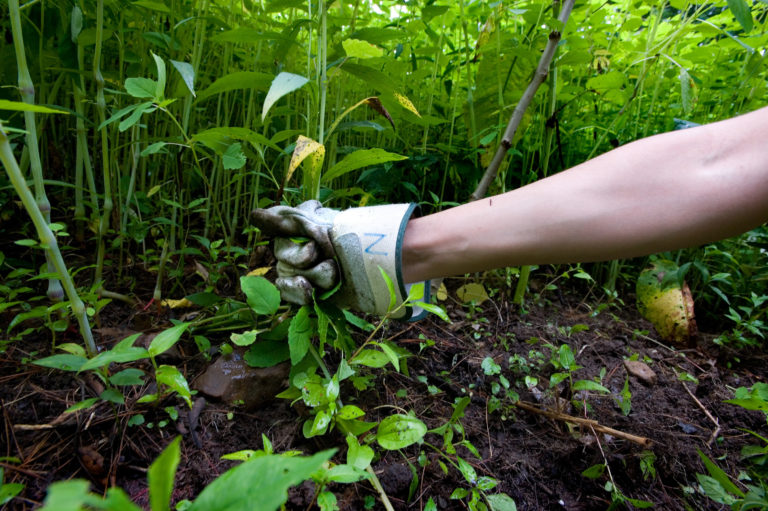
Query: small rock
[641, 371]
[232, 380]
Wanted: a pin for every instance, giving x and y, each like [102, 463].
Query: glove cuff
[364, 240]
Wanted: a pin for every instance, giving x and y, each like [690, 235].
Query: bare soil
[537, 460]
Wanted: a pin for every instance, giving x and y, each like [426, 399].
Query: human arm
[664, 192]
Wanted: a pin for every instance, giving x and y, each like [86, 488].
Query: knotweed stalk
[47, 238]
[27, 89]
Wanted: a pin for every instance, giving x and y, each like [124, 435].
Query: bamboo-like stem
[47, 238]
[27, 89]
[322, 53]
[101, 107]
[522, 105]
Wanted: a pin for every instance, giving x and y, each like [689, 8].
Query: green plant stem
[47, 238]
[27, 89]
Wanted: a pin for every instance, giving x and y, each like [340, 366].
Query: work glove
[349, 245]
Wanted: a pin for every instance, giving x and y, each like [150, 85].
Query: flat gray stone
[233, 381]
[641, 371]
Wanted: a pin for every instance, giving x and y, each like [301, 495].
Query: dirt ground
[537, 459]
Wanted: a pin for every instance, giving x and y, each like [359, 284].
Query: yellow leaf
[668, 307]
[406, 103]
[259, 272]
[177, 304]
[442, 292]
[472, 292]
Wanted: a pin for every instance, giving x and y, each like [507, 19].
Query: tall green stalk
[27, 89]
[47, 238]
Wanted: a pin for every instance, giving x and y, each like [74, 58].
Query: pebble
[641, 371]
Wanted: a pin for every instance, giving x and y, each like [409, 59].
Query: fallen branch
[517, 115]
[645, 442]
[715, 421]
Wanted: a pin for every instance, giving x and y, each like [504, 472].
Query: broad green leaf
[594, 471]
[346, 474]
[359, 456]
[166, 339]
[238, 80]
[135, 115]
[391, 355]
[373, 77]
[130, 376]
[467, 471]
[300, 335]
[714, 490]
[64, 361]
[172, 377]
[20, 106]
[267, 353]
[112, 396]
[283, 84]
[219, 139]
[154, 148]
[434, 309]
[264, 480]
[75, 23]
[359, 159]
[187, 73]
[233, 157]
[350, 412]
[66, 495]
[370, 358]
[742, 12]
[123, 352]
[245, 35]
[161, 475]
[361, 49]
[245, 338]
[589, 385]
[326, 501]
[161, 75]
[262, 296]
[501, 502]
[399, 431]
[141, 87]
[609, 80]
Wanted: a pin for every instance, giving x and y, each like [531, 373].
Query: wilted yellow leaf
[259, 272]
[177, 304]
[472, 292]
[669, 308]
[305, 147]
[406, 103]
[442, 292]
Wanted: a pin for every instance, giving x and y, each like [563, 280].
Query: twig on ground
[715, 421]
[645, 442]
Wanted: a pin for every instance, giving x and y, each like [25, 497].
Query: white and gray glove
[359, 240]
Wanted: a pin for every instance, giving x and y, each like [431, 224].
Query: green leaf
[299, 335]
[604, 82]
[399, 431]
[434, 309]
[327, 501]
[113, 396]
[361, 49]
[264, 480]
[742, 12]
[720, 476]
[64, 361]
[391, 355]
[245, 35]
[234, 81]
[370, 358]
[244, 339]
[359, 159]
[141, 87]
[19, 106]
[350, 412]
[75, 23]
[467, 471]
[130, 376]
[390, 287]
[122, 352]
[161, 76]
[233, 157]
[82, 405]
[153, 6]
[589, 385]
[283, 84]
[170, 376]
[267, 354]
[166, 339]
[714, 490]
[501, 502]
[594, 471]
[161, 475]
[346, 474]
[262, 296]
[66, 495]
[154, 148]
[187, 73]
[135, 115]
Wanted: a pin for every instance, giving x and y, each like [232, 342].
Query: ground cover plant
[136, 137]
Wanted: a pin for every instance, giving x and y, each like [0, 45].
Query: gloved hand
[350, 245]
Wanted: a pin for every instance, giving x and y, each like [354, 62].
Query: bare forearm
[668, 191]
